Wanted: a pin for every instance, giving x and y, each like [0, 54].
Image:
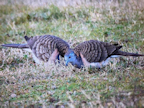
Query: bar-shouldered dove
[46, 48]
[94, 53]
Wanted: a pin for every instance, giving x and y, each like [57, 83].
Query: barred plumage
[94, 53]
[44, 46]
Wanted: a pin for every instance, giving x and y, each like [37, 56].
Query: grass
[24, 83]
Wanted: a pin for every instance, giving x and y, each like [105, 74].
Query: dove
[45, 48]
[94, 53]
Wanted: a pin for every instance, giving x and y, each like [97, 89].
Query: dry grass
[26, 84]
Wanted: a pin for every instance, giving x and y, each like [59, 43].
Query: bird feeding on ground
[45, 49]
[94, 53]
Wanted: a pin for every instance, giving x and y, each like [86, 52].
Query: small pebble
[13, 95]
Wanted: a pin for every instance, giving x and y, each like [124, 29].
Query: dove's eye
[69, 56]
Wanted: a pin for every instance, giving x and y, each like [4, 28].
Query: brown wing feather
[111, 48]
[44, 46]
[104, 53]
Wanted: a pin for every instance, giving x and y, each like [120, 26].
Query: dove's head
[70, 57]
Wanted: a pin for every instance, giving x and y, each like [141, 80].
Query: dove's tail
[127, 54]
[22, 46]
